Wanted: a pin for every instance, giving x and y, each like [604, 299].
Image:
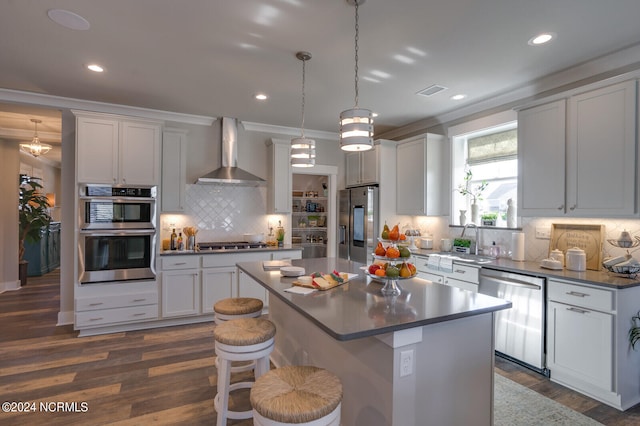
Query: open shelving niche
[309, 217]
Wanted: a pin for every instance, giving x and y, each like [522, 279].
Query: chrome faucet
[473, 225]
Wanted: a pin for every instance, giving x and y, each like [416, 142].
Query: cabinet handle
[96, 319]
[577, 294]
[460, 271]
[579, 311]
[573, 207]
[95, 304]
[140, 314]
[180, 263]
[138, 300]
[561, 207]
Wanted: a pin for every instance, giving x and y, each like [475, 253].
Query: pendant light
[303, 150]
[356, 124]
[35, 148]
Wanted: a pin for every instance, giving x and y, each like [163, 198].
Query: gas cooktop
[230, 245]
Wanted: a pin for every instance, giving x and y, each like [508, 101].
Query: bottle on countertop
[180, 242]
[174, 240]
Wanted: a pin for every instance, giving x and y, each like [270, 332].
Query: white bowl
[291, 271]
[253, 238]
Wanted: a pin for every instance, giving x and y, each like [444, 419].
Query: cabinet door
[174, 164]
[352, 175]
[248, 287]
[580, 345]
[541, 159]
[139, 153]
[601, 149]
[97, 150]
[180, 293]
[369, 167]
[279, 198]
[411, 181]
[217, 284]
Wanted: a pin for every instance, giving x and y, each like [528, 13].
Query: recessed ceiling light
[95, 68]
[458, 97]
[541, 39]
[68, 19]
[261, 96]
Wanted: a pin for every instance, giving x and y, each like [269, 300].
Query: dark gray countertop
[358, 309]
[602, 278]
[251, 250]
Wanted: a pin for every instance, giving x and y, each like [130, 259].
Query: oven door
[117, 213]
[116, 255]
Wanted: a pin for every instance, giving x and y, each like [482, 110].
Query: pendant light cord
[304, 61]
[356, 56]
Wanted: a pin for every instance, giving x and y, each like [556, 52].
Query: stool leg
[224, 378]
[262, 366]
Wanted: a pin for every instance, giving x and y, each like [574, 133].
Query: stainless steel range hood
[229, 173]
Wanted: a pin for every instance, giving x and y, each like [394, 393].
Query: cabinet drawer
[421, 263]
[431, 277]
[118, 315]
[578, 295]
[180, 262]
[464, 273]
[116, 301]
[230, 259]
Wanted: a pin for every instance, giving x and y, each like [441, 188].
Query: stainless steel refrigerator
[358, 223]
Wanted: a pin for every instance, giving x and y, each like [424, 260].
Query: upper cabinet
[117, 150]
[422, 176]
[174, 165]
[279, 182]
[362, 168]
[577, 157]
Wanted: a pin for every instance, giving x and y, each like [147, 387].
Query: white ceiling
[209, 57]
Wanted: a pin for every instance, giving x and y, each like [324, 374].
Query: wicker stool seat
[242, 339]
[300, 395]
[237, 307]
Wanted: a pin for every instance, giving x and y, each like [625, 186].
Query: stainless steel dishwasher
[519, 331]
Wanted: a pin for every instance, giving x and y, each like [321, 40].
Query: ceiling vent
[431, 90]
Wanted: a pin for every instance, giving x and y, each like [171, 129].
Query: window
[486, 159]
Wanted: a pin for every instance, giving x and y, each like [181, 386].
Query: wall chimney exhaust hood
[229, 173]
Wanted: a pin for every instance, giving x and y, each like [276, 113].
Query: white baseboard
[9, 286]
[65, 318]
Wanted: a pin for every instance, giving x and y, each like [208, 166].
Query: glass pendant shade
[35, 148]
[303, 152]
[356, 129]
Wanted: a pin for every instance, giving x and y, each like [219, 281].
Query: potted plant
[475, 193]
[634, 331]
[33, 214]
[489, 219]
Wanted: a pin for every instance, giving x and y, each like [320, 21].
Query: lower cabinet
[248, 287]
[465, 277]
[217, 284]
[180, 293]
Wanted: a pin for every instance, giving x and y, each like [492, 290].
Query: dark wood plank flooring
[160, 376]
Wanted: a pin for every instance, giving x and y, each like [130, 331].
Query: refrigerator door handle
[342, 235]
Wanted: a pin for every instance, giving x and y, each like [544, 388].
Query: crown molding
[43, 100]
[292, 131]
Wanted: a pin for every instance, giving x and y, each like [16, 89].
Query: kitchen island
[424, 357]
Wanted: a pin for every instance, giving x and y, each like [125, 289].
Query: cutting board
[349, 277]
[587, 237]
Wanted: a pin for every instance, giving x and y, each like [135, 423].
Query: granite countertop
[251, 250]
[358, 309]
[602, 278]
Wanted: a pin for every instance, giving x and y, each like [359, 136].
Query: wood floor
[160, 376]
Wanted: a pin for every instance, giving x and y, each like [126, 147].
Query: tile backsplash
[221, 212]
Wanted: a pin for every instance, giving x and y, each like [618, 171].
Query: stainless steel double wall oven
[117, 237]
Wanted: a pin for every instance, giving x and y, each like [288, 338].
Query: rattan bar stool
[243, 339]
[297, 395]
[237, 307]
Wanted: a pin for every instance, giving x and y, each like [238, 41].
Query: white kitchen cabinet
[279, 180]
[180, 293]
[421, 166]
[466, 277]
[217, 284]
[117, 150]
[248, 287]
[174, 169]
[362, 167]
[597, 130]
[580, 337]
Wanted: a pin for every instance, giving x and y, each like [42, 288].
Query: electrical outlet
[406, 363]
[543, 233]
